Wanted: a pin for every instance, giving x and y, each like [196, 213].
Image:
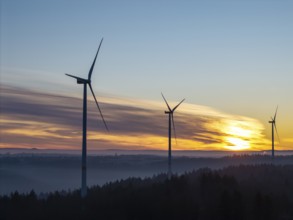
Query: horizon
[146, 152]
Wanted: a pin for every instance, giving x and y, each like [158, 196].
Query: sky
[230, 60]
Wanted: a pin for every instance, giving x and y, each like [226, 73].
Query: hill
[263, 191]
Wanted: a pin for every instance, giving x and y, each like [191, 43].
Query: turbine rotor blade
[173, 123]
[75, 77]
[98, 107]
[166, 102]
[93, 65]
[277, 132]
[177, 105]
[276, 113]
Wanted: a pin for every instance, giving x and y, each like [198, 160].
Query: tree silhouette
[238, 193]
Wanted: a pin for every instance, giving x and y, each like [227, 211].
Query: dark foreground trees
[243, 192]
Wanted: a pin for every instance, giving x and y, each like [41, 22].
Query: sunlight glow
[237, 144]
[238, 131]
[238, 136]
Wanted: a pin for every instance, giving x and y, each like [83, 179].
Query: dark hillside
[239, 192]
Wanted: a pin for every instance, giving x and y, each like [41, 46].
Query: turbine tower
[86, 82]
[171, 122]
[273, 122]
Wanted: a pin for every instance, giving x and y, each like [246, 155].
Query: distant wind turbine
[274, 127]
[171, 122]
[86, 82]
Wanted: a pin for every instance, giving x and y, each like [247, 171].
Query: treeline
[243, 192]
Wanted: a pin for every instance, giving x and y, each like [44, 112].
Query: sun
[238, 138]
[237, 144]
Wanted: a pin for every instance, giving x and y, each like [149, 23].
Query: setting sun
[238, 137]
[237, 144]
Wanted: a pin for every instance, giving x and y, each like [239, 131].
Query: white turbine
[86, 82]
[171, 122]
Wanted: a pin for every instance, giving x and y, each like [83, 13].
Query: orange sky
[45, 121]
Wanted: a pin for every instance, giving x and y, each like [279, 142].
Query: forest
[236, 192]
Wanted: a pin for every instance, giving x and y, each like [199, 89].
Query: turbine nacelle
[84, 81]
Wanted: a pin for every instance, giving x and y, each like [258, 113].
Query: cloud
[35, 119]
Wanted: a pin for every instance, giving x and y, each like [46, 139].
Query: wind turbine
[273, 122]
[171, 122]
[86, 82]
